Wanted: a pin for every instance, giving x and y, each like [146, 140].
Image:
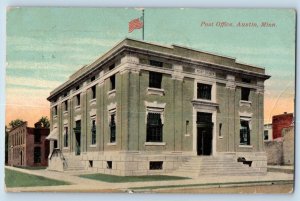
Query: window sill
[187, 135]
[65, 112]
[55, 116]
[77, 107]
[220, 137]
[111, 93]
[93, 145]
[246, 146]
[111, 144]
[155, 143]
[155, 91]
[245, 103]
[93, 101]
[66, 148]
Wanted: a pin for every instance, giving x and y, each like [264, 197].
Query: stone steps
[214, 166]
[73, 164]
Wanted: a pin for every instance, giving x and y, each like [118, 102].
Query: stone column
[177, 77]
[231, 86]
[260, 109]
[84, 119]
[130, 102]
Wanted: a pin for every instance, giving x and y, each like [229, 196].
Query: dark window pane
[37, 155]
[203, 117]
[112, 128]
[155, 80]
[245, 94]
[93, 131]
[66, 105]
[66, 137]
[156, 63]
[204, 91]
[154, 128]
[244, 133]
[112, 82]
[156, 165]
[93, 92]
[78, 99]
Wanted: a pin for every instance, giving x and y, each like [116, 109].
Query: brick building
[281, 121]
[28, 146]
[145, 108]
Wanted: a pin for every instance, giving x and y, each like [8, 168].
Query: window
[78, 99]
[204, 91]
[203, 117]
[266, 135]
[156, 165]
[77, 87]
[154, 128]
[244, 133]
[66, 137]
[112, 126]
[220, 130]
[245, 94]
[55, 110]
[37, 136]
[246, 80]
[66, 105]
[93, 131]
[94, 92]
[111, 67]
[93, 78]
[112, 82]
[155, 80]
[187, 122]
[77, 129]
[156, 63]
[37, 155]
[90, 163]
[109, 164]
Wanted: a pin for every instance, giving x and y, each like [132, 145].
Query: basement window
[109, 164]
[156, 165]
[90, 163]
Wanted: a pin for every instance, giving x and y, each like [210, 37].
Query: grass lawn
[19, 179]
[32, 168]
[123, 179]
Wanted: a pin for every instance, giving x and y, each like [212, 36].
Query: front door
[78, 140]
[204, 133]
[204, 140]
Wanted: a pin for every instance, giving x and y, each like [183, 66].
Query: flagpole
[143, 24]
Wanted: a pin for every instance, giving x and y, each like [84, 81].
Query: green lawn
[123, 179]
[32, 168]
[19, 179]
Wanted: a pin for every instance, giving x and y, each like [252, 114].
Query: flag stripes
[135, 24]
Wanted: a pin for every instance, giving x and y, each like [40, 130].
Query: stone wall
[288, 145]
[274, 151]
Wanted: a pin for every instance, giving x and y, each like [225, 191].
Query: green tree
[15, 123]
[45, 122]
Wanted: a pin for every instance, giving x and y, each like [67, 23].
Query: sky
[46, 45]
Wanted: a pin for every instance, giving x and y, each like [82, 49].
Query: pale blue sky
[46, 45]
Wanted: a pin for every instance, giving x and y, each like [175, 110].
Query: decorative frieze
[205, 72]
[230, 84]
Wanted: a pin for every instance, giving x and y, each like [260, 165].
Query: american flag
[135, 24]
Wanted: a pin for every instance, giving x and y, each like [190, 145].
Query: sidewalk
[88, 185]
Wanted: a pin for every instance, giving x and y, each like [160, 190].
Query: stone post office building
[145, 108]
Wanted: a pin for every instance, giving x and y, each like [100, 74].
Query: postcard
[139, 100]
